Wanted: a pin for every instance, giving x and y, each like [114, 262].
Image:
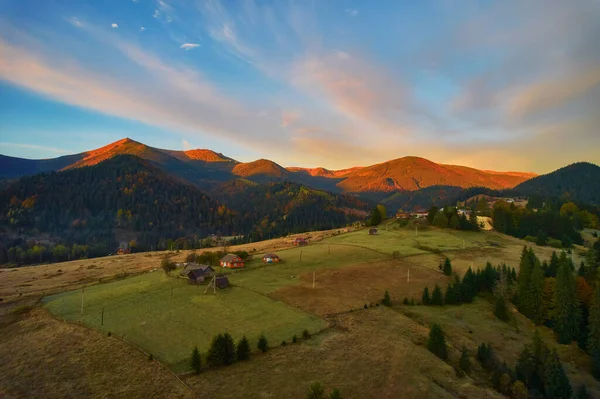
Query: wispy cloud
[34, 147]
[352, 11]
[142, 29]
[75, 22]
[189, 46]
[186, 145]
[113, 25]
[289, 117]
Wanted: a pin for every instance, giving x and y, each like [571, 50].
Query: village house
[232, 261]
[402, 215]
[299, 242]
[372, 232]
[270, 258]
[196, 273]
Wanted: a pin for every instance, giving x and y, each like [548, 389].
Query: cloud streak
[189, 46]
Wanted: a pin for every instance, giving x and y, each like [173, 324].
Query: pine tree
[425, 300]
[440, 220]
[523, 282]
[566, 305]
[557, 384]
[196, 360]
[436, 297]
[447, 267]
[436, 343]
[450, 296]
[593, 343]
[536, 294]
[469, 286]
[464, 363]
[454, 222]
[553, 266]
[531, 364]
[229, 356]
[387, 301]
[243, 349]
[263, 346]
[582, 393]
[500, 309]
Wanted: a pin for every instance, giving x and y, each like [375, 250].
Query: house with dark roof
[232, 261]
[197, 273]
[270, 258]
[221, 282]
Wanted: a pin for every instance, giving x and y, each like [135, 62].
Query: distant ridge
[209, 169]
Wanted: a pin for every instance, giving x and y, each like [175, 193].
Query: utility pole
[314, 278]
[81, 301]
[102, 318]
[171, 290]
[300, 255]
[408, 276]
[416, 230]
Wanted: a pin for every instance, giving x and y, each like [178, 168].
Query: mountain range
[208, 170]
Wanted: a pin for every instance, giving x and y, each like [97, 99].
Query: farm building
[372, 232]
[197, 273]
[299, 242]
[402, 215]
[232, 261]
[270, 258]
[123, 251]
[221, 282]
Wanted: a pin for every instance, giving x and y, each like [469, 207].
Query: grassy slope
[141, 309]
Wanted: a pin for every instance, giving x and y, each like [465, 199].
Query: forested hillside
[577, 182]
[278, 209]
[90, 206]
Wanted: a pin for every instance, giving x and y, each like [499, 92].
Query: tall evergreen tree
[425, 299]
[447, 267]
[474, 224]
[440, 220]
[436, 297]
[469, 286]
[437, 342]
[566, 305]
[524, 282]
[450, 296]
[262, 345]
[593, 343]
[557, 385]
[536, 294]
[500, 309]
[553, 266]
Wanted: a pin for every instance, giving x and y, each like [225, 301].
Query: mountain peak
[201, 154]
[259, 167]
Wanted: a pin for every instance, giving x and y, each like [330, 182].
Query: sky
[501, 85]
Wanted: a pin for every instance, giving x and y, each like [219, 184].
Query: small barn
[232, 261]
[270, 258]
[221, 282]
[299, 242]
[372, 232]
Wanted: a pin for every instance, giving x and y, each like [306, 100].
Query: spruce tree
[450, 296]
[523, 281]
[557, 384]
[593, 343]
[468, 287]
[196, 360]
[447, 267]
[553, 266]
[436, 297]
[582, 393]
[263, 346]
[464, 363]
[387, 301]
[566, 305]
[229, 356]
[500, 309]
[473, 221]
[425, 300]
[243, 349]
[436, 343]
[440, 220]
[536, 294]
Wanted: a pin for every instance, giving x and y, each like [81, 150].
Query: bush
[447, 267]
[436, 343]
[151, 357]
[335, 394]
[243, 349]
[315, 391]
[485, 356]
[530, 238]
[387, 301]
[294, 339]
[242, 254]
[109, 334]
[405, 301]
[551, 242]
[283, 343]
[263, 345]
[305, 334]
[395, 254]
[196, 360]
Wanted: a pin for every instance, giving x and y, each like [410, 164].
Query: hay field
[142, 310]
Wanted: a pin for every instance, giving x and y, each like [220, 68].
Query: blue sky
[506, 85]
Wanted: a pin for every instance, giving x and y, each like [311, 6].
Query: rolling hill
[208, 170]
[579, 182]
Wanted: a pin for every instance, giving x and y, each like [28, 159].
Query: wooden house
[270, 258]
[299, 242]
[232, 261]
[197, 273]
[402, 215]
[372, 231]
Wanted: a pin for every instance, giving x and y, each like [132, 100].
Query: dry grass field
[367, 353]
